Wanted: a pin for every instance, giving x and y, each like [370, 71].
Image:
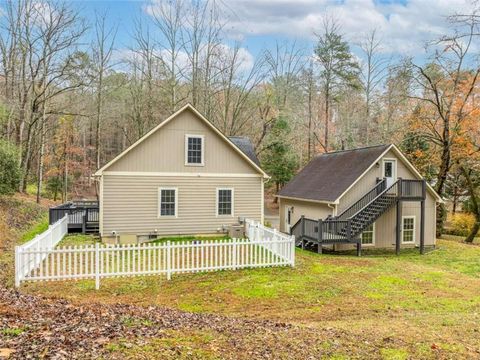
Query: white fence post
[169, 271]
[17, 266]
[234, 260]
[97, 266]
[292, 252]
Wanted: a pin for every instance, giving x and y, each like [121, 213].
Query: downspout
[334, 208]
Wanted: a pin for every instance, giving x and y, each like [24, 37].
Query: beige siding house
[183, 177]
[375, 188]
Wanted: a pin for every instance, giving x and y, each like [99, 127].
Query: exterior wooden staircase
[347, 227]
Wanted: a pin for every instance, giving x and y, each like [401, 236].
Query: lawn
[382, 305]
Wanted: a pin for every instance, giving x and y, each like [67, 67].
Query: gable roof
[244, 144]
[245, 156]
[327, 177]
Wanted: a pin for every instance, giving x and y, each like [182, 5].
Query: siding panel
[164, 151]
[130, 204]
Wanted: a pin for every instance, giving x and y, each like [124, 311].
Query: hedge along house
[371, 197]
[183, 177]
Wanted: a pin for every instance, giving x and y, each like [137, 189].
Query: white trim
[374, 233]
[216, 202]
[307, 200]
[179, 174]
[159, 202]
[192, 136]
[414, 228]
[262, 202]
[100, 204]
[163, 123]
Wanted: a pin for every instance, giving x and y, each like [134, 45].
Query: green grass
[37, 229]
[78, 239]
[415, 300]
[188, 238]
[12, 332]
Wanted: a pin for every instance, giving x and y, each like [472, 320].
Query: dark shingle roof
[327, 176]
[244, 144]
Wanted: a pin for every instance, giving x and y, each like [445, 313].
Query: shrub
[9, 169]
[461, 224]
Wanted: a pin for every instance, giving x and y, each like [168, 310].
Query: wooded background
[70, 102]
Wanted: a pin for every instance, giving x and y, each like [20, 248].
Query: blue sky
[404, 25]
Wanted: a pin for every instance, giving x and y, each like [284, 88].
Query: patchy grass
[429, 304]
[188, 238]
[78, 239]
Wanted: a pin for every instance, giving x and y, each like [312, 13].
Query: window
[368, 235]
[225, 202]
[167, 202]
[408, 227]
[194, 150]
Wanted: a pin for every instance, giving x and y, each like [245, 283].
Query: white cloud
[404, 27]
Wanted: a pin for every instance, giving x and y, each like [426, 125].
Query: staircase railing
[363, 201]
[392, 190]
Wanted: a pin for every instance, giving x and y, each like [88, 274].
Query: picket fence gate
[264, 247]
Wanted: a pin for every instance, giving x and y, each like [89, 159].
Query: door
[390, 171]
[288, 219]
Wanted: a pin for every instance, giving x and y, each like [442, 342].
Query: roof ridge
[355, 149]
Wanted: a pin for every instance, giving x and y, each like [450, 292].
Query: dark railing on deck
[80, 214]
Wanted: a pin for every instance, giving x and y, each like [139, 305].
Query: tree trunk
[475, 206]
[327, 108]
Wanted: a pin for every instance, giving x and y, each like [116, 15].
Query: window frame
[373, 236]
[159, 205]
[414, 230]
[192, 136]
[217, 199]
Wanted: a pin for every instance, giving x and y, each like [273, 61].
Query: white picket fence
[45, 242]
[263, 248]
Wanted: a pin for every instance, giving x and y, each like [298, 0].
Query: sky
[404, 25]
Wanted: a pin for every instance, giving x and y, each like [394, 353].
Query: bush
[9, 169]
[461, 224]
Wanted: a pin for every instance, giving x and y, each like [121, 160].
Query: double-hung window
[167, 202]
[194, 150]
[408, 229]
[368, 235]
[225, 202]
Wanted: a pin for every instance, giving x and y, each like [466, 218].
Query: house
[372, 197]
[183, 177]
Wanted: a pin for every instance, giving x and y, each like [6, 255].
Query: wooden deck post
[398, 228]
[320, 236]
[359, 248]
[422, 217]
[302, 227]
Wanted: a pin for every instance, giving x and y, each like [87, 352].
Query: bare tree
[372, 74]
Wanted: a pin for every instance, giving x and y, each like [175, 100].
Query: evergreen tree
[279, 159]
[338, 68]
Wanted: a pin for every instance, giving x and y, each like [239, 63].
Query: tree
[338, 68]
[279, 161]
[9, 169]
[445, 86]
[372, 75]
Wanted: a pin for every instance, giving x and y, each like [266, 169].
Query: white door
[390, 171]
[288, 219]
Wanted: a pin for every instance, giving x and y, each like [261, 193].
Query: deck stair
[347, 227]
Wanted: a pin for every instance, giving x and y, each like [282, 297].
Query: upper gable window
[194, 150]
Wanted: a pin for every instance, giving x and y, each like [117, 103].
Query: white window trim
[159, 215]
[373, 237]
[187, 136]
[216, 202]
[414, 229]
